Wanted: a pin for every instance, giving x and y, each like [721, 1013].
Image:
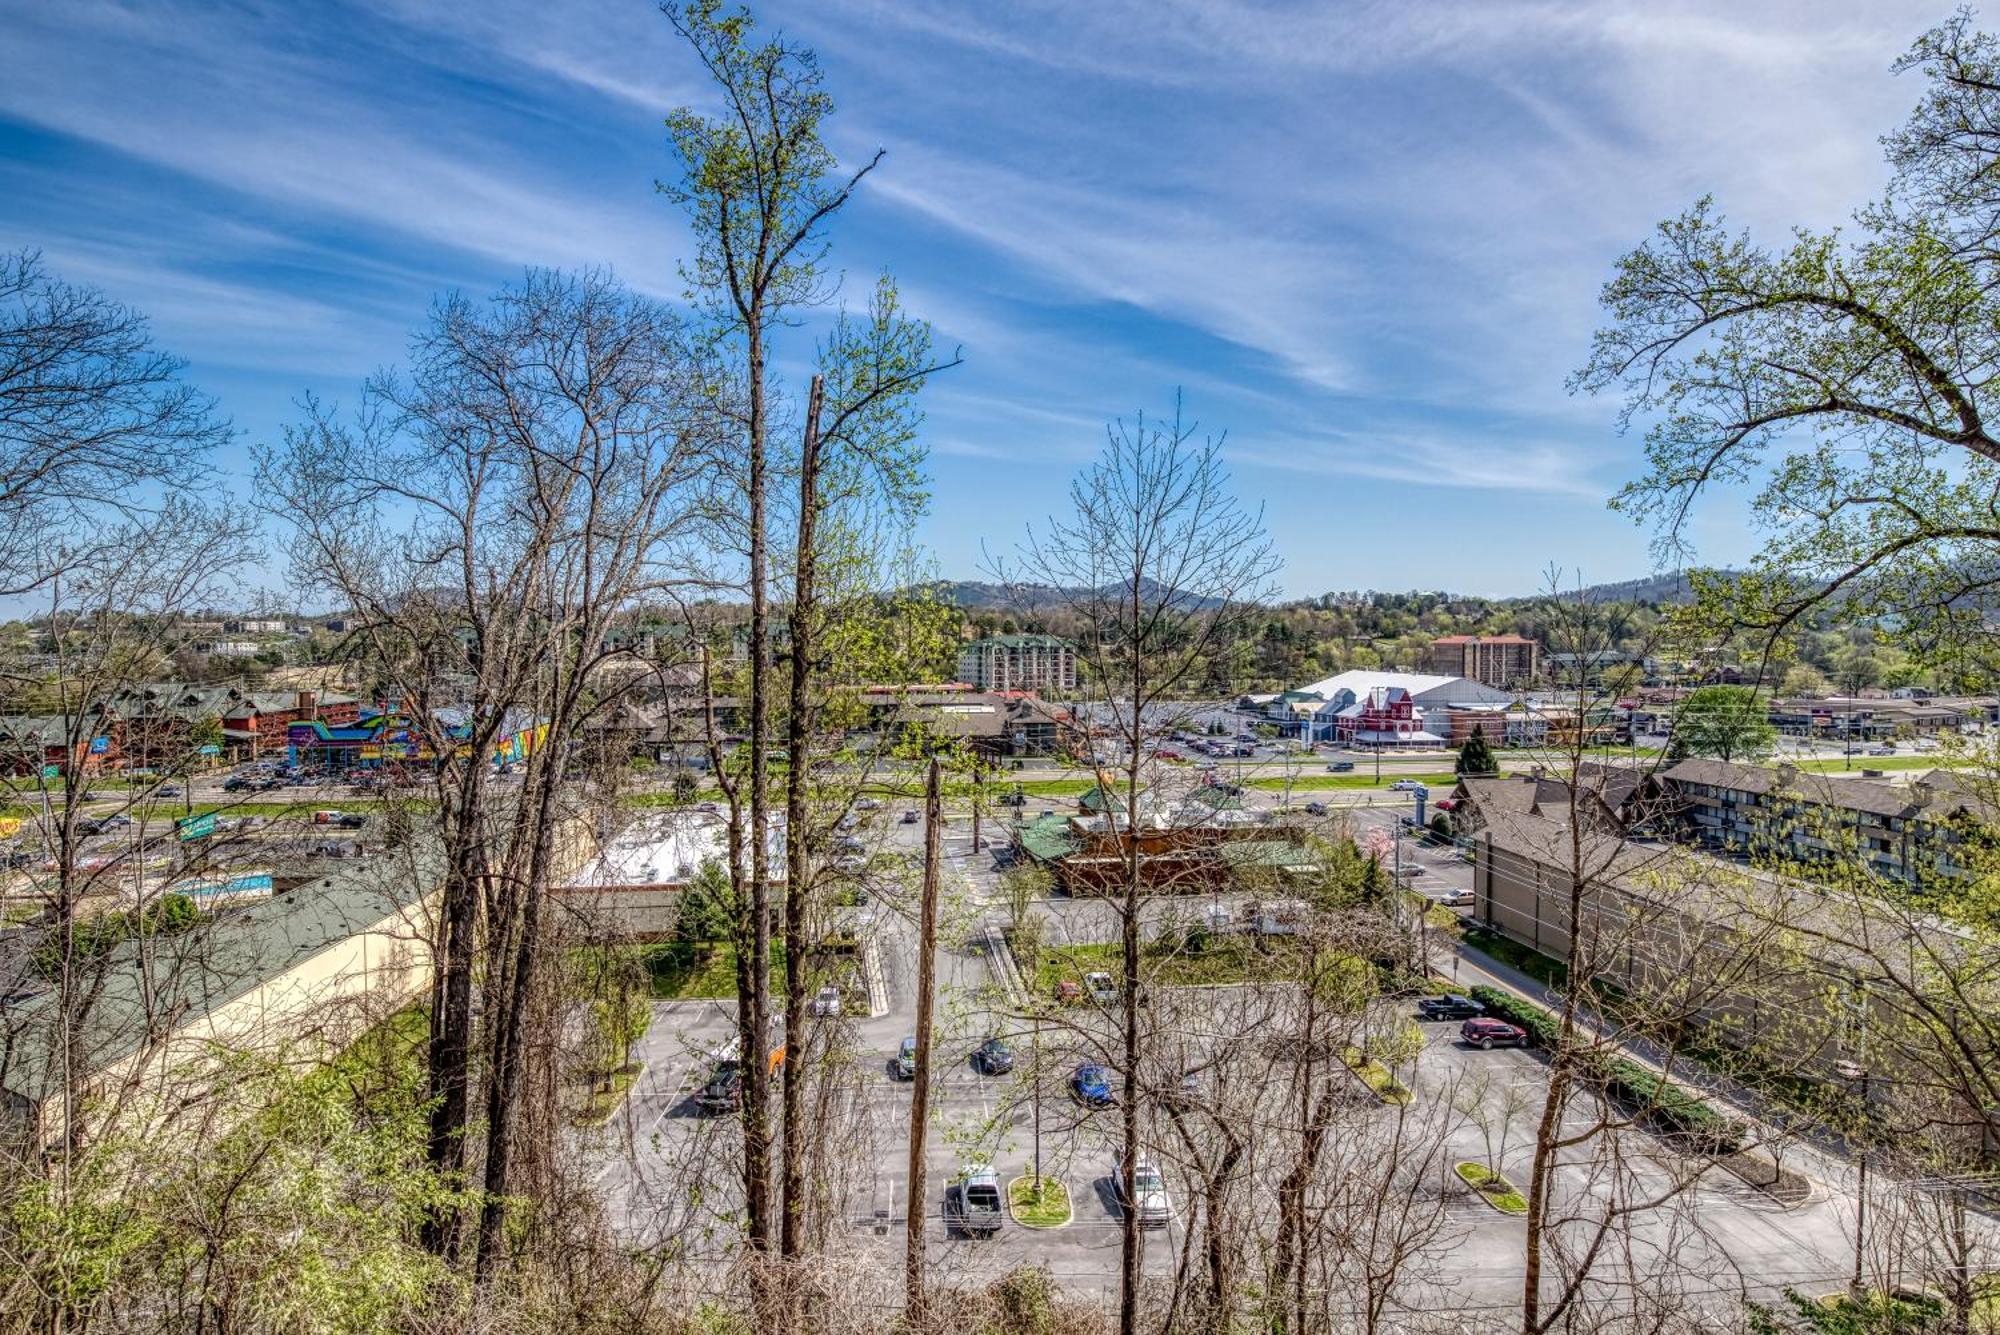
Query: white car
[1150, 1203]
[1404, 786]
[827, 1003]
[867, 803]
[1102, 990]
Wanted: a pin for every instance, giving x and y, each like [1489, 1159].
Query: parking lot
[1461, 1094]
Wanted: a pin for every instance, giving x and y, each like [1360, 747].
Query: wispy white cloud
[1466, 462]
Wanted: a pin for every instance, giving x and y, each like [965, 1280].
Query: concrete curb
[872, 978]
[1002, 954]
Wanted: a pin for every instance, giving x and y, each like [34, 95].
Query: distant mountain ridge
[1667, 587]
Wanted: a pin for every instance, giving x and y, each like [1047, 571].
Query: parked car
[1491, 1033]
[910, 816]
[1150, 1204]
[973, 1204]
[904, 1064]
[993, 1057]
[1454, 899]
[1339, 766]
[867, 803]
[1068, 993]
[1102, 990]
[849, 863]
[827, 1003]
[1450, 1006]
[1091, 1084]
[724, 1091]
[848, 843]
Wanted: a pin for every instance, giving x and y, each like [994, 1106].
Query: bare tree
[1159, 562]
[98, 433]
[489, 515]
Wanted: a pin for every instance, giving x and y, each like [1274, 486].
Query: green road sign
[195, 827]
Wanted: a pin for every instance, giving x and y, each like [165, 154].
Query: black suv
[724, 1091]
[1449, 1007]
[993, 1057]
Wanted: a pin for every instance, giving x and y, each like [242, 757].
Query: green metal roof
[189, 975]
[1048, 838]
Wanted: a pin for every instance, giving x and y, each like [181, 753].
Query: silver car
[827, 1003]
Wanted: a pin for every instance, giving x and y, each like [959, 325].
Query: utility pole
[920, 1092]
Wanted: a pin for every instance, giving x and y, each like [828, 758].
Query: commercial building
[1508, 662]
[1019, 663]
[1902, 831]
[1766, 964]
[290, 978]
[379, 736]
[1199, 843]
[1383, 709]
[1611, 799]
[631, 888]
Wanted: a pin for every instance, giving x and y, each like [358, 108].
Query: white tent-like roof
[1425, 689]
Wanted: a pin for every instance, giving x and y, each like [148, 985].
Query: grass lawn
[1544, 970]
[706, 973]
[600, 1101]
[1038, 1204]
[1225, 959]
[1376, 1076]
[1494, 1189]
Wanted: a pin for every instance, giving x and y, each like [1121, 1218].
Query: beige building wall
[304, 1015]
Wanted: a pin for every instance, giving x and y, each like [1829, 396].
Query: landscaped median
[1376, 1076]
[602, 1100]
[1665, 1103]
[1492, 1188]
[1038, 1202]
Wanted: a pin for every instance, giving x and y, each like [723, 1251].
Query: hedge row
[1668, 1104]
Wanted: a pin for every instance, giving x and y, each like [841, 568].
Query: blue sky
[1365, 239]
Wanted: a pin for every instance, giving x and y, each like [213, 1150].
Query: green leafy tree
[616, 1023]
[1723, 722]
[1476, 757]
[1848, 373]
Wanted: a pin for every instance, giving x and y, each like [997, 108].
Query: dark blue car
[1092, 1086]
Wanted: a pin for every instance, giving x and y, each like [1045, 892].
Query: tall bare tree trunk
[920, 1093]
[753, 1016]
[451, 1005]
[798, 736]
[1128, 1217]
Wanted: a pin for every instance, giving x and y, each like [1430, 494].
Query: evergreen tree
[1476, 757]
